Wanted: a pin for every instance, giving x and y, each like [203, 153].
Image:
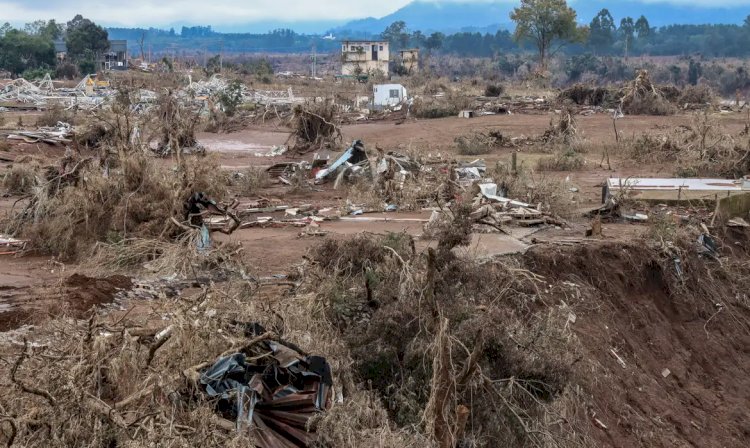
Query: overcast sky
[221, 13]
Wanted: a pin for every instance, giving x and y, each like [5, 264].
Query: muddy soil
[42, 294]
[663, 368]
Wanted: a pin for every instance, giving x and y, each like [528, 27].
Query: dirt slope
[684, 344]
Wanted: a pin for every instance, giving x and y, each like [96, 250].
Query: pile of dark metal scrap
[269, 388]
[59, 134]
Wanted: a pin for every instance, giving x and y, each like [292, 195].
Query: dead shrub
[21, 178]
[699, 95]
[553, 195]
[585, 95]
[702, 148]
[315, 125]
[55, 114]
[401, 314]
[563, 130]
[72, 211]
[494, 90]
[565, 160]
[433, 108]
[250, 181]
[175, 125]
[475, 144]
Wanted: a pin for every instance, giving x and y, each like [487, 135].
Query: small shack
[388, 95]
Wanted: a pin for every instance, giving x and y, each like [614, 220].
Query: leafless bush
[411, 323]
[565, 160]
[55, 114]
[525, 185]
[700, 94]
[315, 126]
[21, 178]
[250, 181]
[69, 212]
[176, 126]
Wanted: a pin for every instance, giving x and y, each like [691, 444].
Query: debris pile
[57, 135]
[269, 389]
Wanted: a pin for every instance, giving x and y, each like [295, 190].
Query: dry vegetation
[428, 348]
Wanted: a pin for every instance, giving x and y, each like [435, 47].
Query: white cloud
[225, 13]
[216, 12]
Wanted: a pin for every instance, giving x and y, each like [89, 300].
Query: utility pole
[314, 61]
[221, 56]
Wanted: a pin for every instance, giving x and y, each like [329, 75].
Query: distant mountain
[448, 17]
[453, 16]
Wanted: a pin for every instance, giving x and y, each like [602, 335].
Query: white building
[362, 57]
[388, 95]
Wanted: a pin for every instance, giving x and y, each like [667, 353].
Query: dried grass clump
[250, 181]
[478, 143]
[563, 130]
[316, 125]
[55, 114]
[440, 338]
[68, 213]
[21, 178]
[566, 160]
[698, 95]
[702, 148]
[447, 105]
[158, 256]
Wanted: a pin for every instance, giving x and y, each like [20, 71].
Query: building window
[381, 48]
[353, 48]
[395, 93]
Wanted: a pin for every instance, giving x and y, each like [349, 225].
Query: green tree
[21, 51]
[48, 29]
[549, 24]
[627, 29]
[418, 39]
[435, 41]
[695, 70]
[5, 28]
[602, 31]
[642, 27]
[86, 41]
[396, 34]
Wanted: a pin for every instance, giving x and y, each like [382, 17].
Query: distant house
[364, 56]
[116, 58]
[410, 59]
[61, 50]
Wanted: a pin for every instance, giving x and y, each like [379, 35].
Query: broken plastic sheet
[489, 191]
[355, 154]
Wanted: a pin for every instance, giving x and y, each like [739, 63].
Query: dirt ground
[704, 395]
[280, 248]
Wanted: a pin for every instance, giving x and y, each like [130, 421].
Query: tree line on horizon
[547, 27]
